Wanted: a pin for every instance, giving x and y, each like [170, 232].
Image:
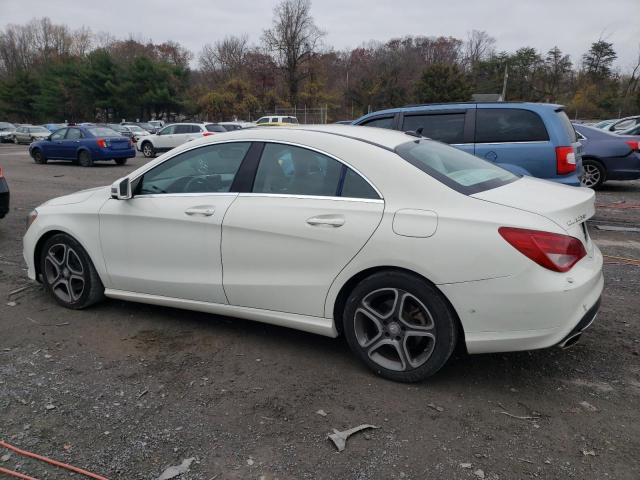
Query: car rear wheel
[68, 274]
[594, 174]
[38, 157]
[84, 158]
[148, 150]
[120, 161]
[400, 326]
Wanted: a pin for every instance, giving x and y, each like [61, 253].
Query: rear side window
[567, 126]
[503, 125]
[212, 127]
[381, 122]
[461, 171]
[355, 186]
[180, 129]
[446, 127]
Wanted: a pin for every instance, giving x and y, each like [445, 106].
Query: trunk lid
[118, 143]
[568, 207]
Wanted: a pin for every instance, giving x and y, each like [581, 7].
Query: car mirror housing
[121, 189]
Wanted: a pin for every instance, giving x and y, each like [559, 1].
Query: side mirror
[121, 189]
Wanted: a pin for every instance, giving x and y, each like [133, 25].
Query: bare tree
[293, 39]
[226, 56]
[479, 46]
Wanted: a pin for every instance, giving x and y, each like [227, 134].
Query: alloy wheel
[64, 272]
[147, 150]
[395, 329]
[591, 176]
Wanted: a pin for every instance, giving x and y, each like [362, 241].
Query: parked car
[6, 131]
[83, 145]
[136, 132]
[157, 124]
[623, 124]
[144, 125]
[535, 139]
[607, 156]
[174, 135]
[276, 119]
[29, 133]
[230, 126]
[54, 127]
[406, 246]
[121, 129]
[4, 195]
[604, 123]
[635, 130]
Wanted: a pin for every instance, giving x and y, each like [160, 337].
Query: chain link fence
[304, 114]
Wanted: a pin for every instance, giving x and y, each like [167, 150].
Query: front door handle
[334, 221]
[204, 210]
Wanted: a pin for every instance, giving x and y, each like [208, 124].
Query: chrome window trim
[313, 197]
[245, 140]
[197, 194]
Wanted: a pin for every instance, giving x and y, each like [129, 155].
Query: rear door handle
[334, 221]
[204, 210]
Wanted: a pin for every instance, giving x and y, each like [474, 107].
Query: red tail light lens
[206, 134]
[550, 250]
[102, 143]
[1, 173]
[633, 144]
[565, 160]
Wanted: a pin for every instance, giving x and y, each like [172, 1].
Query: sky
[570, 24]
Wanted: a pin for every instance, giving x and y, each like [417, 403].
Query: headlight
[32, 217]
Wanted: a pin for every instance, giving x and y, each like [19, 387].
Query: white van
[277, 119]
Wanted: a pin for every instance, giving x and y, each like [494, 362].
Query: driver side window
[209, 169]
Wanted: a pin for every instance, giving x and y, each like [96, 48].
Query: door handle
[204, 210]
[334, 221]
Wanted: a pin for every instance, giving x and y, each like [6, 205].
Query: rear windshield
[103, 132]
[567, 126]
[461, 171]
[211, 127]
[38, 130]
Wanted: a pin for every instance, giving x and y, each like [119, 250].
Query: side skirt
[317, 325]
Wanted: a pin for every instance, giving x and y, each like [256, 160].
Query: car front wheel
[68, 273]
[400, 326]
[38, 157]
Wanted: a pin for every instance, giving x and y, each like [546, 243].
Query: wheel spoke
[418, 318]
[364, 334]
[369, 302]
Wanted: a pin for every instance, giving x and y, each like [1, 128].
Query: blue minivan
[535, 139]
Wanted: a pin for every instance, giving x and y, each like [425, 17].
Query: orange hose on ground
[71, 468]
[12, 473]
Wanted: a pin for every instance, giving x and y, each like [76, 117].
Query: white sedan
[406, 246]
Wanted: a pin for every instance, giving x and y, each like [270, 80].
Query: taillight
[206, 134]
[565, 160]
[634, 144]
[550, 250]
[1, 173]
[102, 143]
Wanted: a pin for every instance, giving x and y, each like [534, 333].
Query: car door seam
[224, 215]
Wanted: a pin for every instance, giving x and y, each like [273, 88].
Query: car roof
[443, 106]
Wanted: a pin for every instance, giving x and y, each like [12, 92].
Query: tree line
[50, 72]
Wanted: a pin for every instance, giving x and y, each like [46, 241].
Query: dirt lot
[127, 390]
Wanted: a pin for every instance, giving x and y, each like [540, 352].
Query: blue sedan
[83, 145]
[607, 156]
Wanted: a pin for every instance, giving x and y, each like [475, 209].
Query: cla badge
[577, 220]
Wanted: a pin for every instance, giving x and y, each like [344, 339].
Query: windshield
[38, 130]
[461, 171]
[103, 132]
[145, 125]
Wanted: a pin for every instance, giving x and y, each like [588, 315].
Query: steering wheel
[202, 184]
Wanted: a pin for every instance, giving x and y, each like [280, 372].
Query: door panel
[282, 253]
[166, 245]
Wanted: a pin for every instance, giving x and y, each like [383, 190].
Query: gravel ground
[127, 390]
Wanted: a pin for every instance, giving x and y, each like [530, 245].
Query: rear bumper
[4, 197]
[582, 325]
[111, 154]
[534, 309]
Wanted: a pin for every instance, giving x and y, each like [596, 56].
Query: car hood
[77, 197]
[564, 205]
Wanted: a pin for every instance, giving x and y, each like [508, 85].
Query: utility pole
[504, 83]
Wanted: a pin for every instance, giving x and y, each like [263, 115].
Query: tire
[15, 140]
[39, 157]
[84, 158]
[120, 161]
[594, 174]
[148, 150]
[68, 274]
[407, 350]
